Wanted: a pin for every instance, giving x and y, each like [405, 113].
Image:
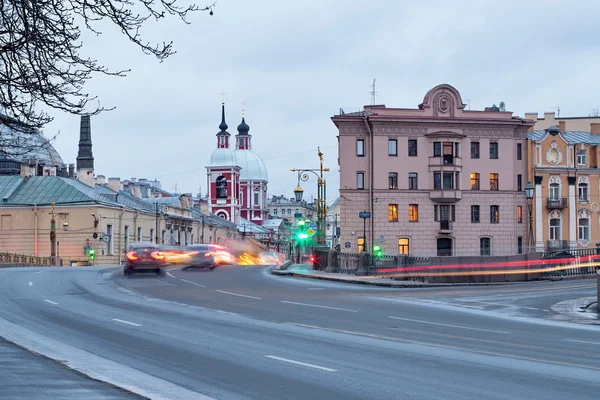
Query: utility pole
[52, 234]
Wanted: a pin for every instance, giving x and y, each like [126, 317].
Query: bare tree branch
[40, 63]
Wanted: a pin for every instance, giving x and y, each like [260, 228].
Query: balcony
[445, 195]
[557, 203]
[445, 226]
[557, 245]
[449, 161]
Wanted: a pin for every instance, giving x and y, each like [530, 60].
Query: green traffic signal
[92, 254]
[303, 236]
[300, 222]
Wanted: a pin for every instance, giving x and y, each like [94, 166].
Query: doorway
[444, 247]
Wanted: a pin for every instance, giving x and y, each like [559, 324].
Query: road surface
[240, 333]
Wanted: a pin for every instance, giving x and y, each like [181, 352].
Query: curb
[408, 285]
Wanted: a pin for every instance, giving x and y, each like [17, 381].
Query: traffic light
[300, 222]
[302, 235]
[377, 251]
[92, 254]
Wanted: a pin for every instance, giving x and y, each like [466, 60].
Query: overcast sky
[296, 62]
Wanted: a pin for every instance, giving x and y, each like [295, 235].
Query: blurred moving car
[271, 258]
[206, 256]
[144, 257]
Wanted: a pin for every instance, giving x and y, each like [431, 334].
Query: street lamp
[529, 192]
[321, 195]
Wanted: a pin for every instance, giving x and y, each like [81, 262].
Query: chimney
[71, 170]
[114, 184]
[149, 192]
[133, 179]
[100, 180]
[531, 116]
[562, 126]
[595, 128]
[549, 116]
[27, 171]
[136, 191]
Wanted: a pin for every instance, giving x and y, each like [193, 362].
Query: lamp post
[529, 192]
[303, 175]
[52, 233]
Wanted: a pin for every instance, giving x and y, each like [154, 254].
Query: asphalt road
[240, 333]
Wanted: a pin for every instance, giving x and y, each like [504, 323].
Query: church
[237, 180]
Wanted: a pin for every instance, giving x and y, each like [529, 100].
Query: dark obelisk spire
[85, 159]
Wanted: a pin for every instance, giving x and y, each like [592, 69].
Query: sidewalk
[26, 375]
[306, 271]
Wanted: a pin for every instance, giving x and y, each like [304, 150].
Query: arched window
[583, 230]
[221, 187]
[584, 183]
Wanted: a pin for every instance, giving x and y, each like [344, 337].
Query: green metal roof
[8, 184]
[47, 189]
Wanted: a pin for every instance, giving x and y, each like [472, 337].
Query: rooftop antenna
[557, 108]
[373, 92]
[175, 188]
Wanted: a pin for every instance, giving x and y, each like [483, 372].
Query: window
[493, 150]
[494, 214]
[474, 149]
[274, 211]
[448, 153]
[139, 235]
[393, 180]
[435, 212]
[289, 211]
[519, 183]
[126, 238]
[361, 244]
[554, 191]
[360, 147]
[445, 213]
[448, 180]
[360, 180]
[519, 214]
[555, 229]
[437, 180]
[583, 192]
[584, 229]
[221, 186]
[109, 244]
[392, 147]
[151, 235]
[581, 157]
[493, 181]
[412, 148]
[413, 181]
[474, 214]
[413, 212]
[453, 213]
[520, 245]
[393, 212]
[475, 181]
[456, 149]
[256, 199]
[437, 149]
[403, 246]
[485, 246]
[519, 151]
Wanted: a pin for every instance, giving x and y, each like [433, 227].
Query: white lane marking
[126, 322]
[239, 295]
[435, 302]
[451, 326]
[50, 301]
[314, 305]
[287, 360]
[193, 283]
[168, 273]
[30, 284]
[315, 288]
[442, 346]
[582, 341]
[40, 272]
[498, 304]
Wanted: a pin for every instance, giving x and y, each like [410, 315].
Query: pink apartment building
[436, 180]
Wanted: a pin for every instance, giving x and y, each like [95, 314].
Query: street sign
[347, 244]
[313, 225]
[364, 214]
[382, 239]
[310, 232]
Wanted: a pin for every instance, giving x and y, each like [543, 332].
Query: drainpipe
[120, 249]
[137, 214]
[35, 229]
[371, 155]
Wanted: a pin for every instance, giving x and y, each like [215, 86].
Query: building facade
[570, 124]
[291, 210]
[237, 179]
[564, 169]
[435, 180]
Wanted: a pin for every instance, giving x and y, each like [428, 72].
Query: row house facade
[435, 180]
[564, 170]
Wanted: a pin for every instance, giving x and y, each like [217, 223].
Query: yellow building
[563, 166]
[107, 220]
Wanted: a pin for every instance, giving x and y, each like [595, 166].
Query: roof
[222, 157]
[569, 136]
[252, 166]
[20, 145]
[48, 189]
[250, 227]
[272, 223]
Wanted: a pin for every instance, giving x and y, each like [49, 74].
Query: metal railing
[23, 259]
[557, 245]
[556, 203]
[445, 225]
[346, 263]
[576, 262]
